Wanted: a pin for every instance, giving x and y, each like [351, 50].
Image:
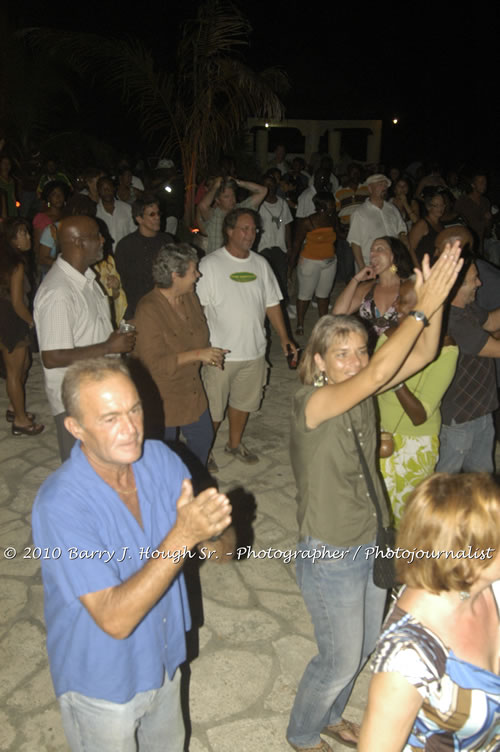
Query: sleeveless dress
[461, 702]
[376, 321]
[426, 243]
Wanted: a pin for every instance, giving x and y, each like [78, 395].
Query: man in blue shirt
[118, 520]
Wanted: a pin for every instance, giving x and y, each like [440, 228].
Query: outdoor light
[395, 121]
[168, 189]
[267, 125]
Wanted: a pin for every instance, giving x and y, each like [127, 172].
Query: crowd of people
[99, 272]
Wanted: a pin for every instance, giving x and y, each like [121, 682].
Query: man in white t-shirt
[374, 219]
[275, 241]
[238, 290]
[117, 214]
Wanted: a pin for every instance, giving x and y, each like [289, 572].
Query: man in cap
[374, 219]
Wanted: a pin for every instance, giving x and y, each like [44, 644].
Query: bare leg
[322, 306]
[15, 367]
[302, 306]
[237, 422]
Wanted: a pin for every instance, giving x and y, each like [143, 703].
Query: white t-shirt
[369, 223]
[120, 223]
[235, 294]
[70, 311]
[274, 218]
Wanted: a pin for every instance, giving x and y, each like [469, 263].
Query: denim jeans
[150, 722]
[467, 447]
[199, 436]
[346, 609]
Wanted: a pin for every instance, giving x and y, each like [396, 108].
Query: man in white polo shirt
[72, 315]
[238, 290]
[374, 219]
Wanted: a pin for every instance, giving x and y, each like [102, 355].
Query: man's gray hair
[172, 257]
[92, 369]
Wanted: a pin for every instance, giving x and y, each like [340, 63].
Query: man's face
[242, 236]
[378, 190]
[227, 200]
[149, 223]
[110, 421]
[92, 183]
[480, 184]
[106, 190]
[91, 241]
[469, 286]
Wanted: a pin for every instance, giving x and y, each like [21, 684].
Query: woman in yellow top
[315, 241]
[411, 413]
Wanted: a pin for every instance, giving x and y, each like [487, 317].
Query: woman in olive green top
[335, 513]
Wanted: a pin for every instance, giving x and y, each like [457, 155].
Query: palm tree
[199, 107]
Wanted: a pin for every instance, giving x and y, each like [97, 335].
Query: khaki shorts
[240, 384]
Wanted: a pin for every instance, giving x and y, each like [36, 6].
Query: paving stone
[44, 733]
[22, 650]
[290, 608]
[294, 653]
[15, 533]
[226, 587]
[7, 515]
[7, 732]
[239, 626]
[13, 597]
[249, 736]
[22, 501]
[226, 683]
[36, 693]
[265, 573]
[196, 746]
[19, 566]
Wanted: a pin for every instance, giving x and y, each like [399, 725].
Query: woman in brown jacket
[173, 342]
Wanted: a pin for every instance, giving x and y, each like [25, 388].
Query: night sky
[434, 74]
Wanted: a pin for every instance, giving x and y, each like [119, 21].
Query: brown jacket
[161, 335]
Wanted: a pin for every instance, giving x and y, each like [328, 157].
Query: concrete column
[374, 142]
[334, 139]
[262, 147]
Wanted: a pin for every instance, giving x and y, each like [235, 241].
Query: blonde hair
[444, 516]
[326, 331]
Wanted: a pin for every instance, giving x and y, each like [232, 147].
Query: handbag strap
[368, 477]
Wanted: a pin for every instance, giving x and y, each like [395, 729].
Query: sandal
[10, 416]
[33, 430]
[299, 331]
[323, 747]
[345, 732]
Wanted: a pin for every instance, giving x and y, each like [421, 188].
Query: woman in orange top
[315, 241]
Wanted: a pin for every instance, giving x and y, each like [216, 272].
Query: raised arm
[258, 192]
[352, 296]
[205, 205]
[385, 368]
[427, 346]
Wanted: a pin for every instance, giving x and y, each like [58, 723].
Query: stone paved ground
[257, 636]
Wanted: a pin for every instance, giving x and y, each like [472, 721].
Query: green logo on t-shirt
[243, 277]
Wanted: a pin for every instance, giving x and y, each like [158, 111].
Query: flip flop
[340, 731]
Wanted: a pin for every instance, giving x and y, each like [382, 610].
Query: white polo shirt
[70, 311]
[369, 223]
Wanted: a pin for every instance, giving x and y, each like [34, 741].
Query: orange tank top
[319, 244]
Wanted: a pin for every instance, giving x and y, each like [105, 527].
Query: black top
[134, 256]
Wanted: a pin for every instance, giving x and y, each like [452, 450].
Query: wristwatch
[419, 316]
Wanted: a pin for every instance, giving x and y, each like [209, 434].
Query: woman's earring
[320, 379]
[393, 268]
